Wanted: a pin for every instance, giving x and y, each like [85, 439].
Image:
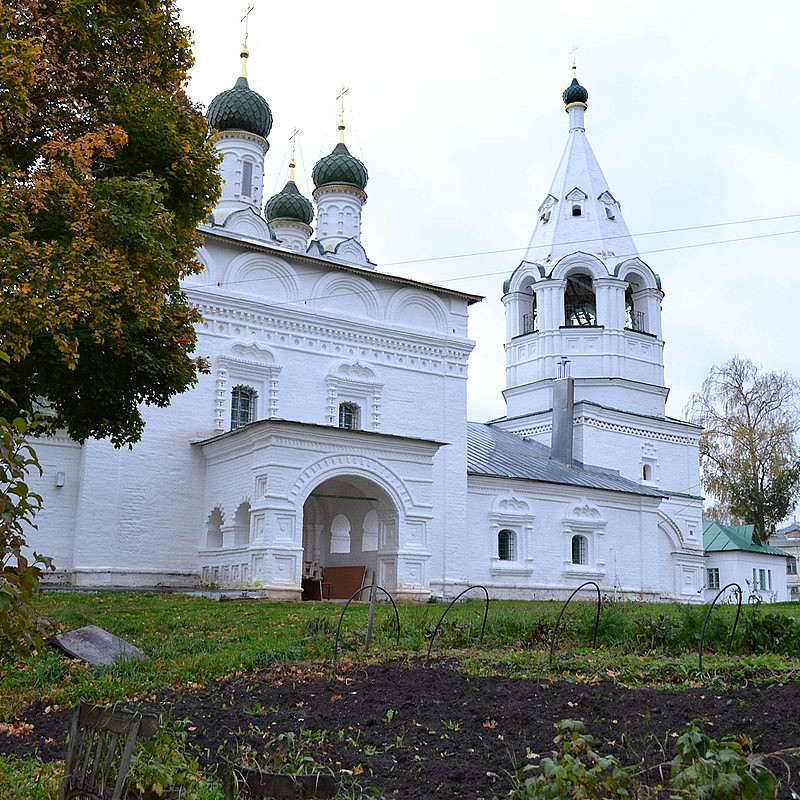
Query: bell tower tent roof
[579, 212]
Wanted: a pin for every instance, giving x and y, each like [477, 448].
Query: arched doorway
[350, 529]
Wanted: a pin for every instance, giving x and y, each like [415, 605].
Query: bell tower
[582, 293]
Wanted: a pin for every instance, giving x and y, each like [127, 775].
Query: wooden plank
[344, 580]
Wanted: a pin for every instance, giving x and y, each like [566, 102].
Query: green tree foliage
[19, 571]
[106, 169]
[748, 450]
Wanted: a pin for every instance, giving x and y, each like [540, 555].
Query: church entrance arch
[350, 531]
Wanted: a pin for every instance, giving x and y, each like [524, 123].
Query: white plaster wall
[627, 558]
[54, 535]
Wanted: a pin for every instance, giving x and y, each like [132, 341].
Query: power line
[604, 238]
[471, 276]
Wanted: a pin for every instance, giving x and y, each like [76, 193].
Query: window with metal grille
[712, 578]
[243, 406]
[349, 416]
[580, 550]
[507, 545]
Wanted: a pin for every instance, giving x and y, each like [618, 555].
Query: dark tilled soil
[435, 732]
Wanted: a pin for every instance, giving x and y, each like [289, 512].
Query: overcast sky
[455, 109]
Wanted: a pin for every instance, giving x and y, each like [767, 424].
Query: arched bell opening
[528, 312]
[635, 308]
[580, 302]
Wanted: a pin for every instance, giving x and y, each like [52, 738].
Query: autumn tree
[106, 169]
[749, 455]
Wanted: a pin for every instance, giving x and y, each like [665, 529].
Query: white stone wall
[629, 554]
[306, 336]
[61, 460]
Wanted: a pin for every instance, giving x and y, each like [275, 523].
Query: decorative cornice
[277, 330]
[547, 427]
[339, 188]
[251, 137]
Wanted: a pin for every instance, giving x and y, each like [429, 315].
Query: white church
[332, 432]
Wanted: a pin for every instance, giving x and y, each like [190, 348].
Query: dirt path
[437, 733]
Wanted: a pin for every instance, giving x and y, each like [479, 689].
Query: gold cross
[292, 139]
[572, 53]
[340, 96]
[246, 20]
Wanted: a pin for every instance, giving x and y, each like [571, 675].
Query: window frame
[354, 410]
[582, 541]
[507, 545]
[712, 578]
[247, 178]
[236, 410]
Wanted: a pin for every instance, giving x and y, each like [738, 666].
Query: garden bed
[437, 732]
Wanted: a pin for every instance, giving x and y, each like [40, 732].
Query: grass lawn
[193, 641]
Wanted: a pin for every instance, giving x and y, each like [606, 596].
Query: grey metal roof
[497, 453]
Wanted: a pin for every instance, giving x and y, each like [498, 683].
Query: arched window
[507, 545]
[370, 528]
[580, 306]
[340, 534]
[349, 416]
[647, 472]
[214, 529]
[580, 550]
[243, 406]
[247, 178]
[241, 523]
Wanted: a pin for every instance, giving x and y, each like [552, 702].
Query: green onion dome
[240, 109]
[341, 168]
[289, 204]
[575, 93]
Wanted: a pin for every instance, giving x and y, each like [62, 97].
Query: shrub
[712, 770]
[19, 573]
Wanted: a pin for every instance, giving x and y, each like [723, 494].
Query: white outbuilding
[733, 557]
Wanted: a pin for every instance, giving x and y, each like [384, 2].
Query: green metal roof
[241, 109]
[717, 538]
[290, 204]
[339, 167]
[575, 93]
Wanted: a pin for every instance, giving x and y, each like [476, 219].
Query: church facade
[332, 430]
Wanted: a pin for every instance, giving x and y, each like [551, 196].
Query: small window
[769, 579]
[247, 178]
[610, 214]
[580, 550]
[349, 416]
[712, 577]
[647, 472]
[576, 209]
[545, 217]
[791, 565]
[243, 406]
[762, 580]
[507, 545]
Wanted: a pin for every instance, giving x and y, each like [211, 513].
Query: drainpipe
[563, 413]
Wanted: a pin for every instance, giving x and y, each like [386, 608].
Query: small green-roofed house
[733, 557]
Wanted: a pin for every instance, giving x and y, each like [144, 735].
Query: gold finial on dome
[292, 164]
[245, 52]
[340, 97]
